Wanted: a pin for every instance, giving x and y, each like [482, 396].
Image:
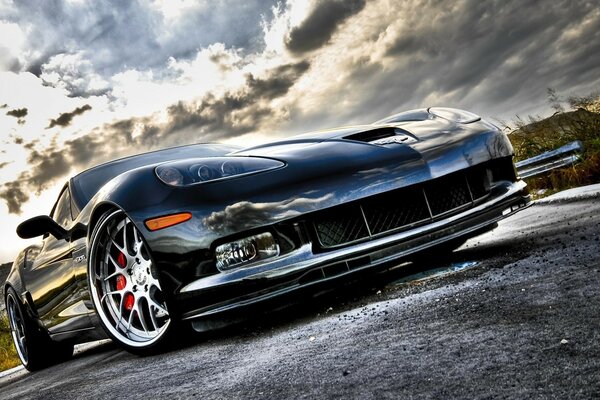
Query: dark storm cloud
[235, 113]
[279, 82]
[46, 166]
[113, 33]
[14, 195]
[65, 119]
[232, 22]
[49, 165]
[17, 112]
[318, 27]
[212, 119]
[116, 35]
[34, 65]
[493, 57]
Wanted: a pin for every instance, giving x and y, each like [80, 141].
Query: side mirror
[40, 225]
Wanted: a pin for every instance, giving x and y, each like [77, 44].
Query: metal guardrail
[564, 156]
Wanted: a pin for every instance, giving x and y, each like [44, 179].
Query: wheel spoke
[153, 303]
[153, 318]
[125, 234]
[110, 257]
[12, 319]
[116, 245]
[112, 275]
[130, 319]
[153, 282]
[17, 327]
[137, 239]
[140, 316]
[120, 321]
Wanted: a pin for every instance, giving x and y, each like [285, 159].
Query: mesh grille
[341, 225]
[479, 182]
[395, 209]
[405, 207]
[447, 193]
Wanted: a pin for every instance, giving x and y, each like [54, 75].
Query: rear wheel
[124, 286]
[35, 348]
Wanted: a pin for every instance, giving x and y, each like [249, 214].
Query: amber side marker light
[166, 221]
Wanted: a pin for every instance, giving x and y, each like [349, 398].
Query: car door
[50, 277]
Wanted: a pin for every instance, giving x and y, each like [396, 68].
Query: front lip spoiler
[381, 250]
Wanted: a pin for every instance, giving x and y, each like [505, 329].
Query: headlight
[202, 170]
[454, 115]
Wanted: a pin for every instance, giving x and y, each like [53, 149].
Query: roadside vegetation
[580, 121]
[8, 354]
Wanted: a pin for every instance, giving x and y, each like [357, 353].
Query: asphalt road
[519, 318]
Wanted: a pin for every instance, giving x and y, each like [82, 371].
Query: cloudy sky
[83, 81]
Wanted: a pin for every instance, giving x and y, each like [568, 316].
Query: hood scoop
[383, 136]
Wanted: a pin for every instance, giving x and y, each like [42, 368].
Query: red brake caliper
[128, 301]
[121, 260]
[121, 282]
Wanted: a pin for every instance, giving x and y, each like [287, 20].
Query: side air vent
[382, 136]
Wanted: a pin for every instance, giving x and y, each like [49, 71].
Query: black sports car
[141, 245]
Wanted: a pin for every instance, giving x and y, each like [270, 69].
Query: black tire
[35, 348]
[124, 287]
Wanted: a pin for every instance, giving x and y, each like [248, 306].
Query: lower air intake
[407, 207]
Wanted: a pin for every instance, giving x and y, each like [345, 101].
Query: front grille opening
[503, 171]
[479, 181]
[447, 194]
[393, 209]
[342, 224]
[408, 207]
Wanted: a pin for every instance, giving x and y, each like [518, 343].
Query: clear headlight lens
[454, 115]
[202, 170]
[247, 250]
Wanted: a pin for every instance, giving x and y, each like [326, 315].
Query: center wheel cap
[139, 274]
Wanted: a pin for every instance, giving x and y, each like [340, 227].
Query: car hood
[436, 146]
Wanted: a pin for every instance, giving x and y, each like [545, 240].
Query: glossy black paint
[39, 226]
[322, 170]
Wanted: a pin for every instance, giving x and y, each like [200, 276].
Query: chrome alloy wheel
[124, 287]
[17, 327]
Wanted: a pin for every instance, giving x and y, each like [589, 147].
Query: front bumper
[303, 267]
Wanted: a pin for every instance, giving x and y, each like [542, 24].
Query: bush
[539, 135]
[8, 354]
